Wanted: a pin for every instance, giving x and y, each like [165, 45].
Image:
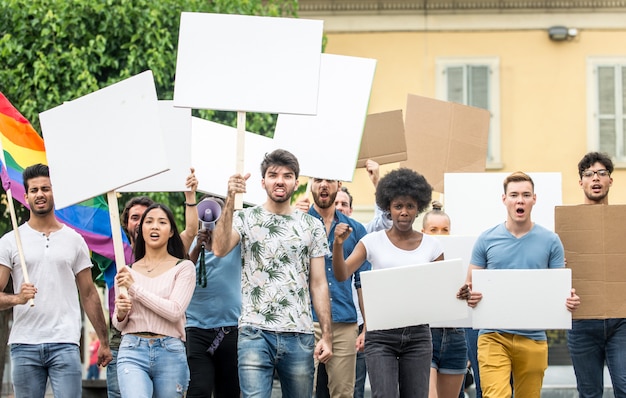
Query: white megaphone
[209, 211]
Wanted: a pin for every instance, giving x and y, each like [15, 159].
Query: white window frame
[442, 63]
[593, 130]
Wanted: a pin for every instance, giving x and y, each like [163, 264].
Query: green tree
[53, 51]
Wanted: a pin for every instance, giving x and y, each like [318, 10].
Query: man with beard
[44, 339]
[594, 342]
[283, 253]
[341, 368]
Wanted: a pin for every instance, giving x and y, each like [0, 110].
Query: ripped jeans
[152, 367]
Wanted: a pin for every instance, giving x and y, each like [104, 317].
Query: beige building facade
[551, 73]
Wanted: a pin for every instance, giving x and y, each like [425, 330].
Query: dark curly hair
[403, 182]
[591, 158]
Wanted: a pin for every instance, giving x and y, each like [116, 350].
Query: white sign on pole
[248, 63]
[486, 206]
[457, 246]
[345, 87]
[522, 299]
[413, 295]
[176, 128]
[213, 146]
[104, 140]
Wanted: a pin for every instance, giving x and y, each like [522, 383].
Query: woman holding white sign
[152, 361]
[398, 359]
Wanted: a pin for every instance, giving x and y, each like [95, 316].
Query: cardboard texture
[383, 139]
[444, 137]
[593, 238]
[390, 296]
[531, 299]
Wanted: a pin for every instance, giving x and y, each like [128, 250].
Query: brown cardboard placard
[444, 137]
[593, 236]
[383, 139]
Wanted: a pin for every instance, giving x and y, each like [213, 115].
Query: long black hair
[175, 245]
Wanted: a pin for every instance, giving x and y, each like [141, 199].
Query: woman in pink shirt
[152, 361]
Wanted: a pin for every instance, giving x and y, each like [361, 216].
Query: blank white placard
[248, 63]
[474, 200]
[413, 295]
[213, 154]
[176, 128]
[104, 140]
[345, 87]
[457, 246]
[522, 299]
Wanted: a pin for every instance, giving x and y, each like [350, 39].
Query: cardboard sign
[522, 299]
[248, 63]
[213, 152]
[457, 247]
[444, 137]
[487, 208]
[345, 86]
[413, 295]
[593, 238]
[104, 140]
[176, 128]
[383, 138]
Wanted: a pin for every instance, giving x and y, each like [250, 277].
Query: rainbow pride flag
[22, 147]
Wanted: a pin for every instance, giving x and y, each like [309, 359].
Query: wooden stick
[116, 233]
[241, 140]
[18, 241]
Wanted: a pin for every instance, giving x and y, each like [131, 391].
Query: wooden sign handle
[18, 241]
[116, 233]
[241, 140]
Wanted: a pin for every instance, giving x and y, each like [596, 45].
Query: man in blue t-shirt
[518, 243]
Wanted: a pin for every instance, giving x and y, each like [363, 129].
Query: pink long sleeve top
[159, 303]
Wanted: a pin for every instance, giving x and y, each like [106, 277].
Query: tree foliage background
[53, 51]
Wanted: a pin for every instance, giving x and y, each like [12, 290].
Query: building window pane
[606, 90]
[607, 136]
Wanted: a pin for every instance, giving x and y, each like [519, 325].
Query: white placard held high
[522, 299]
[91, 141]
[176, 127]
[413, 295]
[248, 63]
[345, 86]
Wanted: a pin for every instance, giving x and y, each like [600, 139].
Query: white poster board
[345, 86]
[522, 299]
[486, 205]
[213, 155]
[413, 295]
[457, 246]
[91, 141]
[176, 128]
[248, 63]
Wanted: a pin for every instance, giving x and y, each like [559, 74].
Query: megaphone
[209, 211]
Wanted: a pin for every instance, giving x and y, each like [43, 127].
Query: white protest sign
[104, 140]
[176, 128]
[213, 146]
[345, 87]
[413, 295]
[522, 299]
[474, 200]
[457, 246]
[248, 63]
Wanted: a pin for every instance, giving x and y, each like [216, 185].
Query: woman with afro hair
[398, 359]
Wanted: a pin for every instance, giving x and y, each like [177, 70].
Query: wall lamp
[562, 33]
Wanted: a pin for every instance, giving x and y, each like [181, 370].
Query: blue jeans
[152, 367]
[113, 387]
[398, 361]
[261, 352]
[33, 364]
[361, 374]
[471, 338]
[449, 351]
[591, 343]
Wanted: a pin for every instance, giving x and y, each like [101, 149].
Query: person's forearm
[321, 303]
[94, 311]
[339, 263]
[224, 228]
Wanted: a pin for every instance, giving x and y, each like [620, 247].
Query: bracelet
[190, 204]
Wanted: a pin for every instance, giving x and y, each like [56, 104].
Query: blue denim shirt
[341, 303]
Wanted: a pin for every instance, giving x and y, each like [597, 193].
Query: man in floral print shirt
[283, 253]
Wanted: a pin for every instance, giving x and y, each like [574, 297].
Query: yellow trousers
[501, 355]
